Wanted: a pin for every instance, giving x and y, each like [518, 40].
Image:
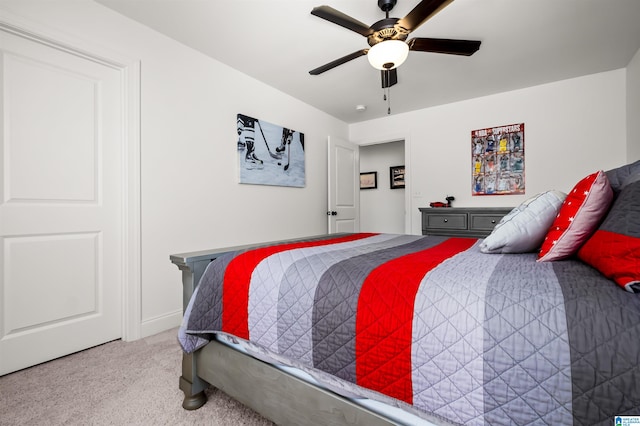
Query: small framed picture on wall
[368, 180]
[396, 177]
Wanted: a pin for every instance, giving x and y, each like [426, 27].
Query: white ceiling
[524, 43]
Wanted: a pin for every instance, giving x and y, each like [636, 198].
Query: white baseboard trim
[160, 323]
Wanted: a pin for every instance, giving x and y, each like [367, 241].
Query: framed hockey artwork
[269, 154]
[497, 160]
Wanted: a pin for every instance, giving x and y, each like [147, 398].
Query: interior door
[61, 150]
[344, 186]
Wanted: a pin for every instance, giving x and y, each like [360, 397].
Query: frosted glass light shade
[389, 52]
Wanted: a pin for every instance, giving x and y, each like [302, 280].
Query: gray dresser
[477, 222]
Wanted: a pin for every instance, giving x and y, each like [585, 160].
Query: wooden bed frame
[275, 394]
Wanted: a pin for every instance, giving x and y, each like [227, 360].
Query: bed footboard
[192, 266]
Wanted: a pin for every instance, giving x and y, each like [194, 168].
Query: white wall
[190, 196]
[633, 109]
[572, 127]
[382, 209]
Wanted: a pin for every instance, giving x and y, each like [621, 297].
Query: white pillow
[524, 228]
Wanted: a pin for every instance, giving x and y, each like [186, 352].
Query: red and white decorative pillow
[581, 213]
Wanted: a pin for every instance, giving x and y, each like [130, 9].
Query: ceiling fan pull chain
[388, 98]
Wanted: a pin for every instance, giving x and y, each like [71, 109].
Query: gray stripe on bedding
[267, 277]
[298, 292]
[604, 325]
[207, 311]
[448, 337]
[527, 370]
[337, 293]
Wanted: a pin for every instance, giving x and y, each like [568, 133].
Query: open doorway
[382, 209]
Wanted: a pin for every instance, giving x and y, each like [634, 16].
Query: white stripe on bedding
[455, 288]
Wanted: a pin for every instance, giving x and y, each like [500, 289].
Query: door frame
[407, 164]
[129, 70]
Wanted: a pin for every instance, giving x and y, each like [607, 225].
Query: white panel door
[61, 207]
[344, 186]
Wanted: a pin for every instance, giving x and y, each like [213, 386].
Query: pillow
[614, 249]
[580, 214]
[630, 179]
[524, 228]
[618, 176]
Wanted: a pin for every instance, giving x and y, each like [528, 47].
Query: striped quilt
[468, 337]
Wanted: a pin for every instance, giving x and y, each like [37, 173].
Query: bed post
[192, 268]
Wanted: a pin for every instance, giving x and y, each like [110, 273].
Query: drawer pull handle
[493, 221]
[446, 220]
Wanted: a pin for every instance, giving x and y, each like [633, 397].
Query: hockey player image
[240, 125]
[269, 154]
[246, 136]
[285, 141]
[287, 137]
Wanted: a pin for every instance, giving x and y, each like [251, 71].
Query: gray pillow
[631, 179]
[622, 176]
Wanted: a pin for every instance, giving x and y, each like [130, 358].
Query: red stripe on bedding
[237, 280]
[384, 319]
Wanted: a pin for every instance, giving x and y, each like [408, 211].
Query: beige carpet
[114, 384]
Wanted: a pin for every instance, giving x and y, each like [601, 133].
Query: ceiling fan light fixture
[388, 54]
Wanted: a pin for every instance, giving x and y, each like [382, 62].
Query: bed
[448, 330]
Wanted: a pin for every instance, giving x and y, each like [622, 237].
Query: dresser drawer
[446, 221]
[472, 222]
[485, 222]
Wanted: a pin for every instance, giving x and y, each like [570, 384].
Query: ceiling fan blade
[339, 18]
[443, 45]
[339, 61]
[423, 11]
[389, 77]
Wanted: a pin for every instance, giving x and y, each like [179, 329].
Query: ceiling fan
[387, 38]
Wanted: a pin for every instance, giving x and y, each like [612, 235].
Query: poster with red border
[497, 160]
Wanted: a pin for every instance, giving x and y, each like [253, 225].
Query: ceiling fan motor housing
[386, 29]
[386, 5]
